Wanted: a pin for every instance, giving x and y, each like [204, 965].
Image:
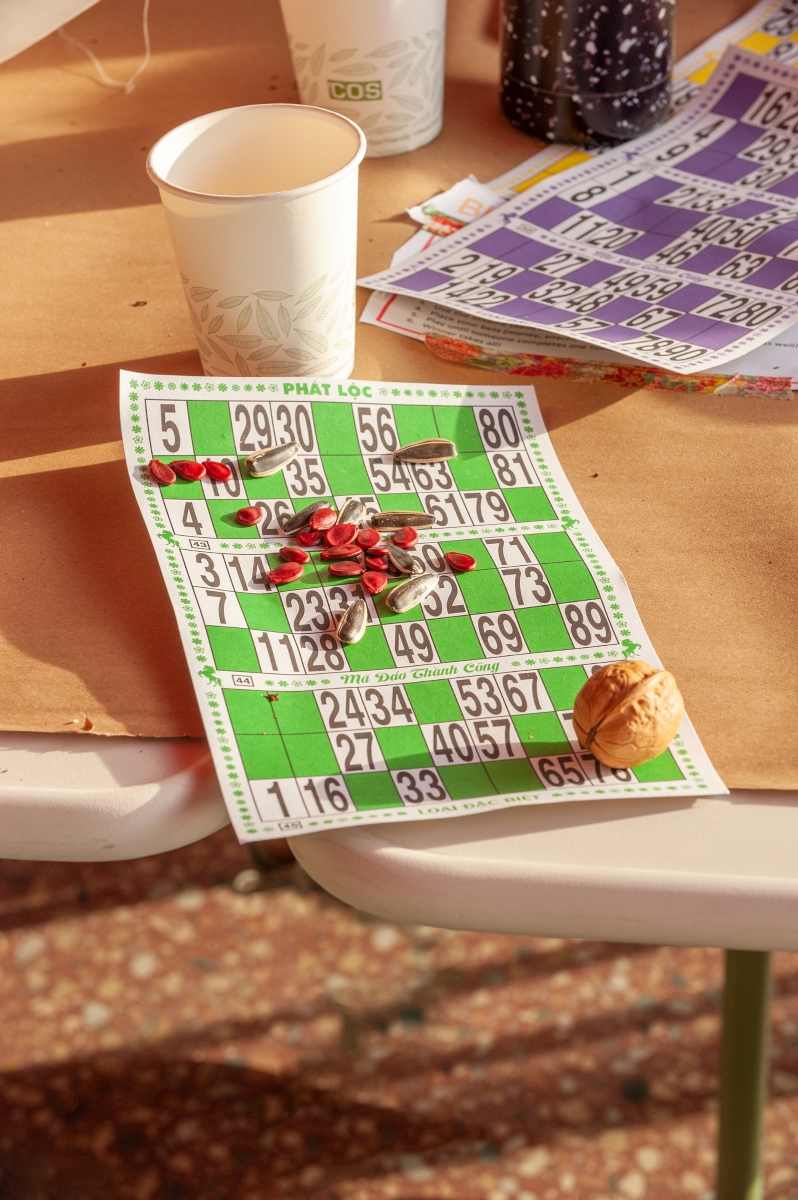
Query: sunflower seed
[352, 625]
[299, 520]
[272, 459]
[352, 513]
[426, 451]
[398, 519]
[403, 561]
[410, 593]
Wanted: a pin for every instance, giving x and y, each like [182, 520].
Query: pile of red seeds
[351, 553]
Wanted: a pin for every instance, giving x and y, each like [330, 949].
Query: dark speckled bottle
[586, 71]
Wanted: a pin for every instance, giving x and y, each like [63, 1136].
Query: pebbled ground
[167, 1035]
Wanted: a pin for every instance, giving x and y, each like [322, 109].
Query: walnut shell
[628, 713]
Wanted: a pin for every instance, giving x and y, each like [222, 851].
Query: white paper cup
[261, 204]
[378, 62]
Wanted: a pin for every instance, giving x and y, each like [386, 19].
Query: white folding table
[712, 871]
[715, 871]
[71, 798]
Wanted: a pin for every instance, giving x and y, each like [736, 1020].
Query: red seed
[377, 561]
[249, 516]
[333, 552]
[287, 573]
[322, 518]
[406, 538]
[460, 562]
[217, 470]
[340, 535]
[161, 473]
[345, 568]
[368, 538]
[188, 469]
[294, 554]
[309, 537]
[374, 582]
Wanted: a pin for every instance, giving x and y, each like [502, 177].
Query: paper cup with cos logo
[378, 62]
[261, 204]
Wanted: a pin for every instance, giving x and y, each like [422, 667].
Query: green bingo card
[461, 704]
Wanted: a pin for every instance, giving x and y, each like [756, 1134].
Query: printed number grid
[529, 594]
[462, 703]
[696, 235]
[776, 39]
[345, 451]
[396, 745]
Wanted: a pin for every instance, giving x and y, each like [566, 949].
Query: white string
[127, 84]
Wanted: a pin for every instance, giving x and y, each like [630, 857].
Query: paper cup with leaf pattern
[378, 62]
[261, 204]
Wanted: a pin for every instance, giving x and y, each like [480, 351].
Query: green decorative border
[206, 385]
[198, 644]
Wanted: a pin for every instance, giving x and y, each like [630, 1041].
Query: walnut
[628, 713]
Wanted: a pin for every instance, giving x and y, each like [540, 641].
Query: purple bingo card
[680, 249]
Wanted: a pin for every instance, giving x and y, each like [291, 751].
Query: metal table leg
[743, 1074]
